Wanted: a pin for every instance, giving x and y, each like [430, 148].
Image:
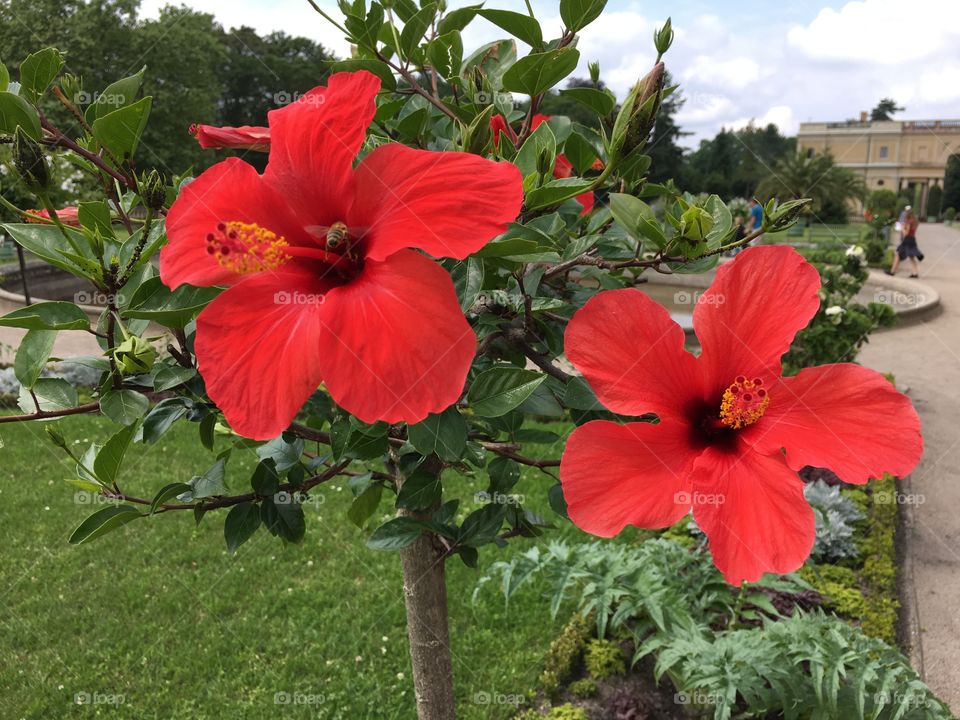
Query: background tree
[667, 156]
[829, 186]
[885, 110]
[951, 183]
[734, 162]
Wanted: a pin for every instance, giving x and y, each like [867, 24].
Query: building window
[879, 182]
[809, 152]
[884, 152]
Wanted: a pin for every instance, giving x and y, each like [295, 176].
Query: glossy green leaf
[119, 130]
[283, 517]
[52, 393]
[103, 521]
[38, 70]
[14, 111]
[555, 192]
[174, 308]
[365, 505]
[468, 280]
[458, 19]
[520, 25]
[124, 406]
[415, 28]
[107, 463]
[444, 434]
[116, 95]
[395, 534]
[577, 14]
[48, 243]
[168, 493]
[499, 390]
[33, 355]
[420, 490]
[538, 72]
[211, 483]
[241, 523]
[600, 101]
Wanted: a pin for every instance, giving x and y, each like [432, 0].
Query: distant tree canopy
[735, 162]
[830, 186]
[199, 73]
[885, 110]
[951, 183]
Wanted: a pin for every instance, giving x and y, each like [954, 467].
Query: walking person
[908, 245]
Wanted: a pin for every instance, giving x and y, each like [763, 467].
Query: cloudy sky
[783, 62]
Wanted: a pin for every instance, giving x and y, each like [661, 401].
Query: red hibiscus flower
[67, 216]
[562, 167]
[322, 283]
[246, 137]
[732, 433]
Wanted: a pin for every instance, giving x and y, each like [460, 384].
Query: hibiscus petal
[843, 417]
[631, 352]
[448, 204]
[752, 508]
[231, 190]
[635, 474]
[395, 345]
[257, 346]
[748, 317]
[314, 141]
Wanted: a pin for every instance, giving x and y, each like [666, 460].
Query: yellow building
[893, 154]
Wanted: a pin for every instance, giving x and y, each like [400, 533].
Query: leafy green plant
[836, 517]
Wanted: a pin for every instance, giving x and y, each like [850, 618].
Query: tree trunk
[425, 594]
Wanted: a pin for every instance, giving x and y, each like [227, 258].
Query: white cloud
[887, 32]
[738, 72]
[780, 115]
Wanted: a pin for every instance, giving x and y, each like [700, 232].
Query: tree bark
[425, 595]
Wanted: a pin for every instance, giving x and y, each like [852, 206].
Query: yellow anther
[743, 403]
[246, 247]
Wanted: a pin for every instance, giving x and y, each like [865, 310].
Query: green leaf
[170, 376]
[541, 141]
[4, 77]
[637, 218]
[38, 70]
[395, 534]
[211, 483]
[600, 101]
[163, 416]
[103, 521]
[504, 474]
[468, 281]
[124, 406]
[154, 301]
[207, 427]
[107, 463]
[555, 192]
[580, 396]
[579, 152]
[167, 493]
[283, 517]
[52, 393]
[116, 95]
[415, 28]
[14, 111]
[577, 14]
[365, 31]
[95, 216]
[445, 53]
[365, 505]
[538, 72]
[444, 434]
[284, 454]
[558, 502]
[521, 26]
[458, 19]
[265, 481]
[482, 526]
[33, 355]
[47, 243]
[420, 490]
[377, 67]
[499, 390]
[119, 131]
[241, 523]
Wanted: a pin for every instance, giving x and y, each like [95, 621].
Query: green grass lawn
[819, 233]
[158, 612]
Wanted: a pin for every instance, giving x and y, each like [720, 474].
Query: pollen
[743, 403]
[246, 247]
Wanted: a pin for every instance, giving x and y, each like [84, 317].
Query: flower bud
[696, 223]
[663, 38]
[56, 437]
[153, 192]
[29, 160]
[545, 162]
[134, 356]
[594, 68]
[643, 114]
